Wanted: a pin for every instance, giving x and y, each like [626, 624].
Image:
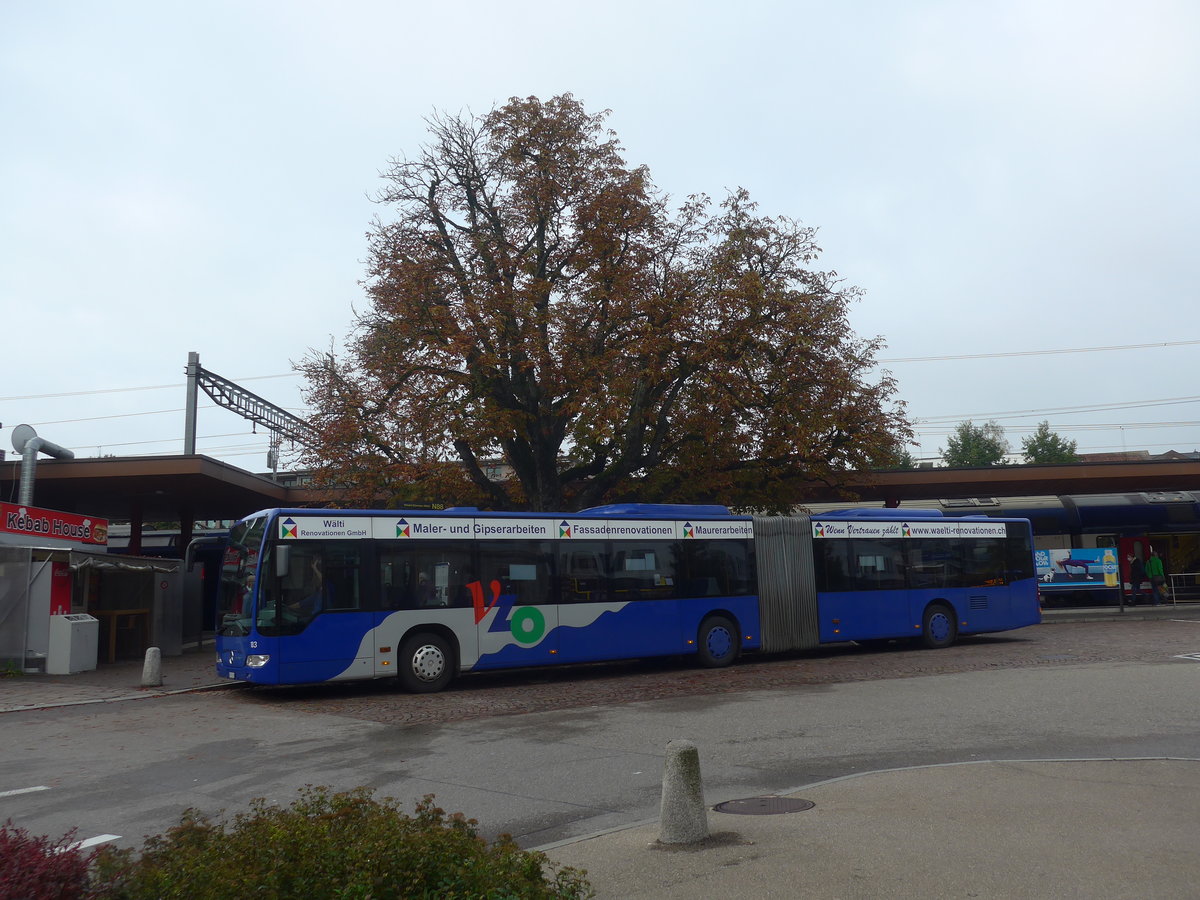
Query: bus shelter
[67, 605]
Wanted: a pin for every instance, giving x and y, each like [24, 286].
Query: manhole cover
[763, 806]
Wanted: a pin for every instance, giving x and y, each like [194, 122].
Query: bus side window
[830, 557]
[396, 581]
[1020, 553]
[643, 572]
[875, 566]
[926, 569]
[985, 563]
[391, 582]
[581, 575]
[340, 572]
[713, 569]
[521, 567]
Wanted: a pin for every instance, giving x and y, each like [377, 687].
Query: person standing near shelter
[1157, 575]
[1137, 574]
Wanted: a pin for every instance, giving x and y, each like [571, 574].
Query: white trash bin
[74, 639]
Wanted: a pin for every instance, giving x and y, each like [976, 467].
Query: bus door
[986, 602]
[873, 598]
[425, 585]
[513, 600]
[969, 574]
[317, 611]
[622, 601]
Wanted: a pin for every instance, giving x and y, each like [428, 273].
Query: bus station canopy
[149, 488]
[174, 488]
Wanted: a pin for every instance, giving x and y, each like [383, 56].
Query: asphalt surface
[1087, 828]
[1097, 635]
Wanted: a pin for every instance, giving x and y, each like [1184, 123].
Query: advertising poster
[1077, 569]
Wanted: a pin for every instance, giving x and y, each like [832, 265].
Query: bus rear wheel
[939, 628]
[426, 663]
[718, 642]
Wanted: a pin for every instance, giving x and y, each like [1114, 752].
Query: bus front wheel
[939, 628]
[718, 642]
[426, 663]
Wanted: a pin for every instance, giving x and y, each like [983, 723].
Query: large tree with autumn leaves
[545, 331]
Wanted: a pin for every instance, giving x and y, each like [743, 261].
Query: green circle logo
[528, 625]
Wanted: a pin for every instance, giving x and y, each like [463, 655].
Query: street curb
[121, 699]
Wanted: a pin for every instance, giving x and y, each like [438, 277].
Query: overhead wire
[1060, 410]
[144, 387]
[1016, 353]
[918, 422]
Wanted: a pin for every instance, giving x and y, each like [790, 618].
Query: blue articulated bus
[313, 596]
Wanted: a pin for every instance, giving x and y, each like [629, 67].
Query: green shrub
[332, 845]
[38, 868]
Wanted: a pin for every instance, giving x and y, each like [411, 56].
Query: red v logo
[476, 590]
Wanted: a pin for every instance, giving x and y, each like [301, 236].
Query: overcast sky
[1000, 179]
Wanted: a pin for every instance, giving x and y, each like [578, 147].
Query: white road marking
[1194, 657]
[28, 790]
[92, 842]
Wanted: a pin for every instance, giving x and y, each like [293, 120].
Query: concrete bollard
[152, 668]
[683, 820]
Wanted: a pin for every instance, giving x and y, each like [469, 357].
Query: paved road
[548, 755]
[534, 690]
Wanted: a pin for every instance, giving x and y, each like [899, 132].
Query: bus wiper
[233, 626]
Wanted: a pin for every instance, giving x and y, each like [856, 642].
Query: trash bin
[74, 639]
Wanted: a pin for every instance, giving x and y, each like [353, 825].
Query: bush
[38, 868]
[332, 845]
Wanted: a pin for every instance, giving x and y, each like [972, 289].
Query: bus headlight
[257, 660]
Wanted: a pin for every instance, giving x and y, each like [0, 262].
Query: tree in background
[899, 458]
[975, 445]
[1046, 446]
[543, 332]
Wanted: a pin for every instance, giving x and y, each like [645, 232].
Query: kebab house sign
[33, 522]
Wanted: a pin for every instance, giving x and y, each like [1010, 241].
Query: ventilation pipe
[28, 444]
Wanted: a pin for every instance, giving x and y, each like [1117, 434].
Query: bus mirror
[189, 555]
[283, 560]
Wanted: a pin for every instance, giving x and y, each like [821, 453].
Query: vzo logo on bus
[527, 624]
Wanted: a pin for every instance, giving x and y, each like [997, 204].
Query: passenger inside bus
[313, 598]
[426, 595]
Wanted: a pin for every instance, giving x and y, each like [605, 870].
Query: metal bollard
[683, 820]
[152, 668]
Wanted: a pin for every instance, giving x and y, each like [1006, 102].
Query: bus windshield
[238, 571]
